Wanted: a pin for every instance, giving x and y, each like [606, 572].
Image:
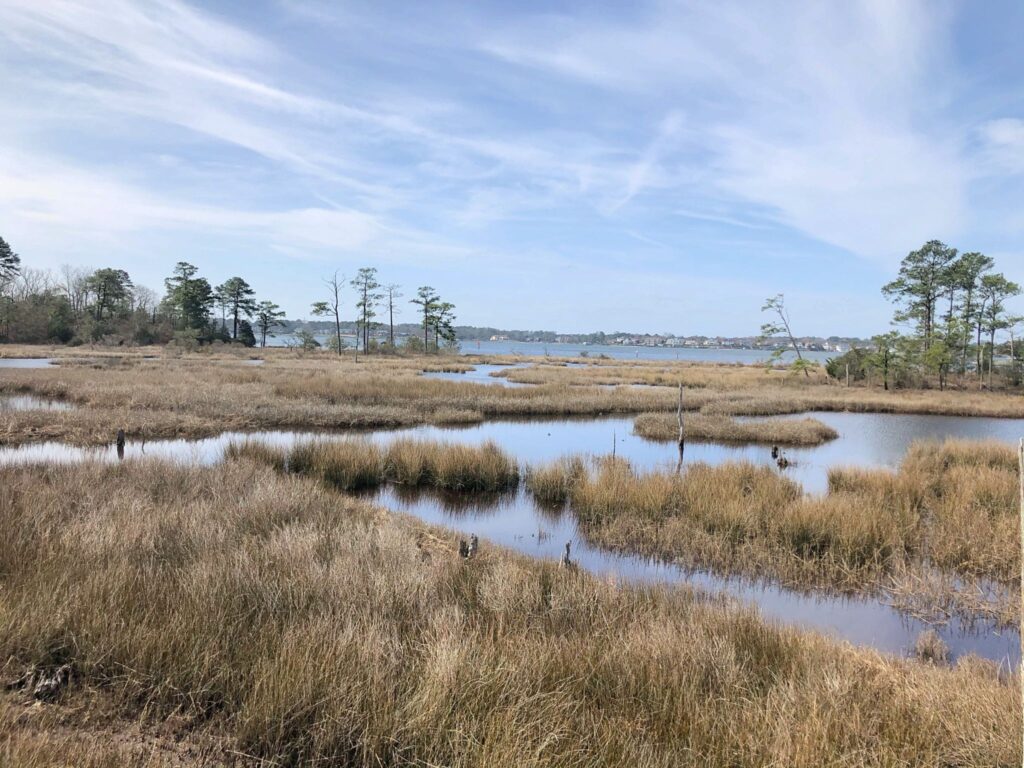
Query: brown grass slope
[311, 628]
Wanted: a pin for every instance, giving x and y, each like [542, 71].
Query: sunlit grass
[305, 627]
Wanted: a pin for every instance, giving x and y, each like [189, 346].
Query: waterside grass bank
[296, 625]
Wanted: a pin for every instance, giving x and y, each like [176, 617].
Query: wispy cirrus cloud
[704, 135]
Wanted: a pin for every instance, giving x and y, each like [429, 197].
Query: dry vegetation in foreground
[951, 506]
[304, 626]
[163, 393]
[79, 732]
[717, 428]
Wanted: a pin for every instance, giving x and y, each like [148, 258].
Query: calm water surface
[31, 403]
[615, 351]
[622, 352]
[27, 362]
[480, 374]
[517, 521]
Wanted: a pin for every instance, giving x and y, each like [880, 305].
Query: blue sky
[645, 166]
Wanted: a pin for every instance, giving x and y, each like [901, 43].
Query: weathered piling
[565, 561]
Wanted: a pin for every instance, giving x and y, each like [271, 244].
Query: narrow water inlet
[515, 520]
[518, 522]
[480, 374]
[27, 362]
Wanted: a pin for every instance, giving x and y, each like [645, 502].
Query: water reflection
[31, 403]
[515, 520]
[27, 362]
[480, 374]
[865, 440]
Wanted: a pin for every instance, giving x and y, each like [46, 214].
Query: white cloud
[813, 111]
[1004, 145]
[444, 137]
[40, 200]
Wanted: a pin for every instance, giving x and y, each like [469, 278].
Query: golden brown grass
[717, 428]
[951, 506]
[202, 395]
[554, 483]
[79, 733]
[312, 628]
[354, 464]
[179, 394]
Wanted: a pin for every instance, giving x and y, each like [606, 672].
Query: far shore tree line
[950, 320]
[104, 306]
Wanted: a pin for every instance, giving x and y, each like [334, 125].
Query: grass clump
[472, 468]
[720, 428]
[348, 465]
[259, 451]
[351, 465]
[452, 466]
[931, 648]
[554, 483]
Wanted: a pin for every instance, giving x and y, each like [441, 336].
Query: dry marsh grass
[951, 506]
[193, 397]
[164, 393]
[717, 428]
[309, 628]
[554, 483]
[79, 732]
[355, 464]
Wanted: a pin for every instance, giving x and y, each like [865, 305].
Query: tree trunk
[991, 355]
[792, 341]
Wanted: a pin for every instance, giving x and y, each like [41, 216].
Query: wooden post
[847, 374]
[682, 430]
[679, 416]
